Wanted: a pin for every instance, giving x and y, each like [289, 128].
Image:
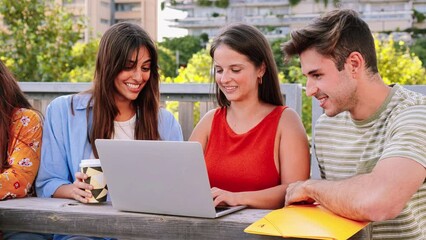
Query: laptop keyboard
[221, 209]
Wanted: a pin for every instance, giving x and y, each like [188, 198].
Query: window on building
[105, 21]
[137, 21]
[127, 7]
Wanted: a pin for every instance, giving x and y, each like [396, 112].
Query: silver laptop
[161, 177]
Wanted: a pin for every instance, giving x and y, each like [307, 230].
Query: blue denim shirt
[65, 141]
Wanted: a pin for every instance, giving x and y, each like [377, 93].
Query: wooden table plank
[66, 216]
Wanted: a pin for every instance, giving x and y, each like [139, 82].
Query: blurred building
[276, 18]
[100, 14]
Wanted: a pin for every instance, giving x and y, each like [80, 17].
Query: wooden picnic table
[65, 216]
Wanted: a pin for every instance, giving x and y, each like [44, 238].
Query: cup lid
[90, 162]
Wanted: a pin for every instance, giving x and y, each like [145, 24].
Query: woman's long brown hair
[116, 47]
[11, 98]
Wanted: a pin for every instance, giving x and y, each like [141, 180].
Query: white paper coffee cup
[92, 167]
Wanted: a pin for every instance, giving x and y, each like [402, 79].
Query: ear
[261, 71]
[355, 62]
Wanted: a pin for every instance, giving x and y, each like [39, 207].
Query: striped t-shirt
[345, 147]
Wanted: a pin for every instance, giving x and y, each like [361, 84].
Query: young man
[371, 141]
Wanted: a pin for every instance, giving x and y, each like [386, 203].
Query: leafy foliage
[397, 64]
[294, 2]
[182, 46]
[222, 3]
[217, 3]
[419, 49]
[420, 17]
[84, 60]
[166, 62]
[292, 74]
[286, 68]
[39, 39]
[197, 70]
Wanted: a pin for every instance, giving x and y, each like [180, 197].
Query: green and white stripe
[345, 148]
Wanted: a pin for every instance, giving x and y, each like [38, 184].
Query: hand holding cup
[92, 168]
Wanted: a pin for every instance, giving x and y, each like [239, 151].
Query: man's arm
[376, 196]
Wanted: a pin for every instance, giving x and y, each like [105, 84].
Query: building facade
[277, 18]
[101, 14]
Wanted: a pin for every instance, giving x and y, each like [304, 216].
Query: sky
[163, 29]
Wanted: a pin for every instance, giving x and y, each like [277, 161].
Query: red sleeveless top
[243, 162]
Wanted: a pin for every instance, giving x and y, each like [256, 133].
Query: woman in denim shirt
[123, 103]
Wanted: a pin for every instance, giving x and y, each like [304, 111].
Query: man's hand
[296, 193]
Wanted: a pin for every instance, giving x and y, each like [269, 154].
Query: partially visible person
[123, 103]
[371, 141]
[254, 146]
[20, 144]
[20, 139]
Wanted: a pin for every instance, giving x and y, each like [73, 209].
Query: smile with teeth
[322, 100]
[229, 88]
[134, 86]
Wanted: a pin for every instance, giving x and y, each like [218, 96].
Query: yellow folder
[305, 221]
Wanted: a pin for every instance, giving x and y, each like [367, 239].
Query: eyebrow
[232, 65]
[134, 62]
[312, 72]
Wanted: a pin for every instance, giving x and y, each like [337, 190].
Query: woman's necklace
[126, 129]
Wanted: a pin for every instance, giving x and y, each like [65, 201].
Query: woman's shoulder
[165, 114]
[26, 117]
[213, 112]
[27, 113]
[207, 120]
[78, 101]
[289, 116]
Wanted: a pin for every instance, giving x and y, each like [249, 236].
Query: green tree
[38, 39]
[184, 47]
[292, 74]
[418, 16]
[397, 64]
[419, 49]
[284, 67]
[84, 61]
[166, 62]
[197, 70]
[221, 3]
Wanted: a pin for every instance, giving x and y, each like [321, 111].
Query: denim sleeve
[168, 127]
[53, 171]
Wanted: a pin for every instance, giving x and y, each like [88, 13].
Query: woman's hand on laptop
[222, 197]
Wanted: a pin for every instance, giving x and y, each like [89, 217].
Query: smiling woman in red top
[253, 145]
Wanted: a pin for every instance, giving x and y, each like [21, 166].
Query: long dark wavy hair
[117, 44]
[11, 99]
